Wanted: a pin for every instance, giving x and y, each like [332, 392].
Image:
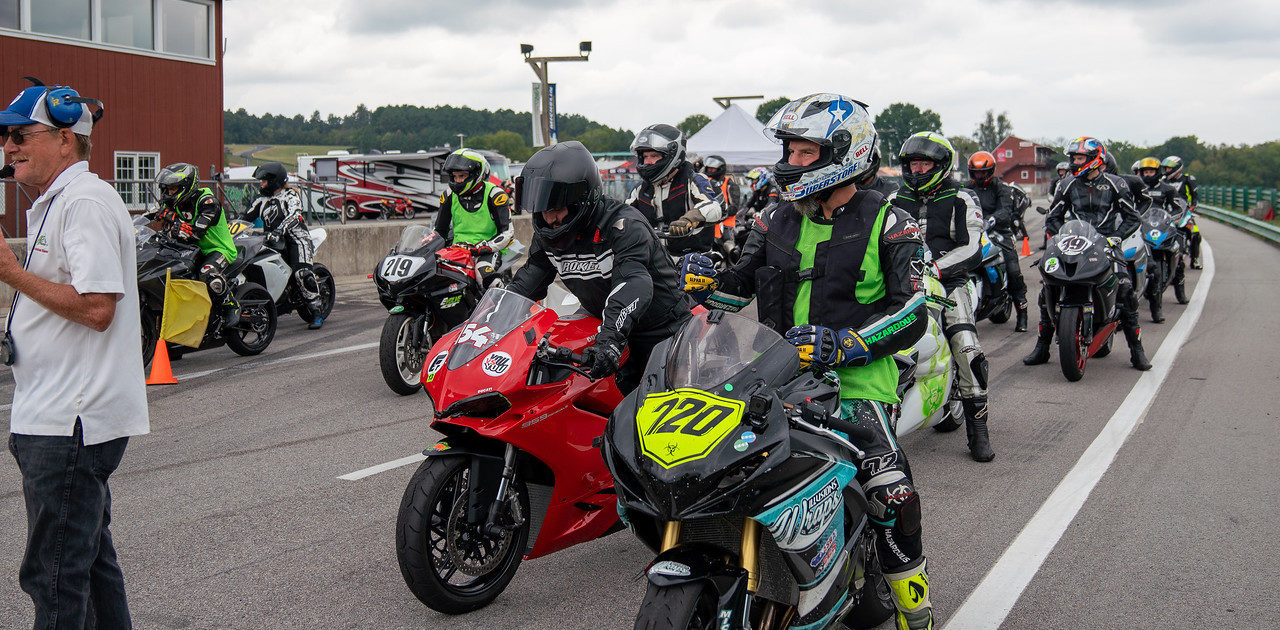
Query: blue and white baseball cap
[33, 104]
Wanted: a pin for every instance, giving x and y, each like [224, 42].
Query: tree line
[410, 127]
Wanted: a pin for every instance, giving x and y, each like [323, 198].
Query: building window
[186, 27]
[128, 23]
[1008, 153]
[135, 171]
[171, 28]
[9, 14]
[1024, 176]
[68, 18]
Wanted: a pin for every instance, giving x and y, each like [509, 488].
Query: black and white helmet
[843, 129]
[667, 141]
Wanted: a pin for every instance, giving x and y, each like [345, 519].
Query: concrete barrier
[348, 250]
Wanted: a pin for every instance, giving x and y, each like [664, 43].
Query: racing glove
[828, 347]
[699, 275]
[603, 359]
[680, 227]
[185, 232]
[482, 249]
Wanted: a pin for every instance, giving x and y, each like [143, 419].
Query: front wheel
[256, 326]
[409, 212]
[451, 565]
[691, 605]
[1071, 349]
[1155, 288]
[1001, 313]
[399, 358]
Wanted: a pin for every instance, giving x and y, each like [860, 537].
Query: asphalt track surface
[231, 513]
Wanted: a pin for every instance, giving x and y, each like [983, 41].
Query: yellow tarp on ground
[186, 311]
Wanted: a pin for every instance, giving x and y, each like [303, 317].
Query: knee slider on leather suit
[895, 507]
[211, 274]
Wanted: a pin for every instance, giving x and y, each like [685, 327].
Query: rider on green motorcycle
[837, 271]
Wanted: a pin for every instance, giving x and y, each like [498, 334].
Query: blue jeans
[70, 568]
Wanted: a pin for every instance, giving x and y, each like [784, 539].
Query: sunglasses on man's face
[19, 137]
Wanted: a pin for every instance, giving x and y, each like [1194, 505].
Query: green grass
[286, 154]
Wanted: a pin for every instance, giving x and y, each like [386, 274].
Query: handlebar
[561, 357]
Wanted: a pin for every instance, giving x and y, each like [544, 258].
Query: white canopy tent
[738, 137]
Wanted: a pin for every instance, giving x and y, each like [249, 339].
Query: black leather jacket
[1105, 202]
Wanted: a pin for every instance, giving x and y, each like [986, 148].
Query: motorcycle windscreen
[413, 238]
[498, 313]
[712, 348]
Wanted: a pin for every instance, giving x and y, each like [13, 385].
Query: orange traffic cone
[1026, 246]
[161, 371]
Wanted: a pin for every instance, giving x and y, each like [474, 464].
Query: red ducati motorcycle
[518, 474]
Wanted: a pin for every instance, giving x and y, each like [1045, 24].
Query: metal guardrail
[1261, 229]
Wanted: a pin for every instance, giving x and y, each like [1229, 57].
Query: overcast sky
[1136, 70]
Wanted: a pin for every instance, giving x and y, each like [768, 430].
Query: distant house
[1025, 163]
[155, 64]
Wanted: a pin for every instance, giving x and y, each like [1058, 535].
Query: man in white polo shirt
[73, 339]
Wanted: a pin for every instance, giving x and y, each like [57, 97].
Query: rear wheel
[327, 295]
[351, 210]
[400, 360]
[690, 605]
[256, 327]
[408, 212]
[1001, 314]
[1072, 352]
[450, 565]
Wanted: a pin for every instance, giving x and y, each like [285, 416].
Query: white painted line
[301, 357]
[989, 604]
[373, 470]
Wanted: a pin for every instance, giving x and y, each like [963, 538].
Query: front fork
[492, 525]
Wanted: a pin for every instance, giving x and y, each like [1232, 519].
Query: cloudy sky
[1126, 69]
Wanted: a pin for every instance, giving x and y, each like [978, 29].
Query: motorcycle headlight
[489, 406]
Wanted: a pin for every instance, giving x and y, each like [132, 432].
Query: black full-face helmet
[668, 142]
[561, 176]
[177, 183]
[272, 178]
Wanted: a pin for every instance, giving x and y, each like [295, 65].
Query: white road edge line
[990, 603]
[313, 355]
[373, 470]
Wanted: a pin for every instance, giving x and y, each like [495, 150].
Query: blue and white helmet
[843, 129]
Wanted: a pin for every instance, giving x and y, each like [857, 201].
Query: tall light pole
[539, 65]
[460, 137]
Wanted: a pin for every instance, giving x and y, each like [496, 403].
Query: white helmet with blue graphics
[843, 130]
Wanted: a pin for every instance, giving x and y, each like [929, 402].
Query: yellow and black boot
[911, 597]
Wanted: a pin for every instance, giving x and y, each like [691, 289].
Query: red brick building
[1025, 163]
[155, 64]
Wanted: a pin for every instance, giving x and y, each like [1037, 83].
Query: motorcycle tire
[875, 599]
[954, 419]
[246, 338]
[150, 334]
[324, 278]
[1002, 313]
[401, 365]
[408, 213]
[1072, 352]
[692, 605]
[428, 535]
[1155, 291]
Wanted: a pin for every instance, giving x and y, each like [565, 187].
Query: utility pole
[539, 65]
[723, 101]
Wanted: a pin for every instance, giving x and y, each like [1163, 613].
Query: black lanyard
[8, 325]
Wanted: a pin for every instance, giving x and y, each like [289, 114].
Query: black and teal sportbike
[730, 464]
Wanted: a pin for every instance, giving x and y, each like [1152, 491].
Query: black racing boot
[975, 425]
[1195, 264]
[1041, 352]
[1020, 325]
[1157, 312]
[1180, 293]
[1137, 356]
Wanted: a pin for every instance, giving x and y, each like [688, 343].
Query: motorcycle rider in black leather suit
[1165, 195]
[996, 198]
[1103, 200]
[673, 195]
[1188, 189]
[605, 253]
[837, 271]
[953, 225]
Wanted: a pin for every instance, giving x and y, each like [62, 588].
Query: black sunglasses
[19, 137]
